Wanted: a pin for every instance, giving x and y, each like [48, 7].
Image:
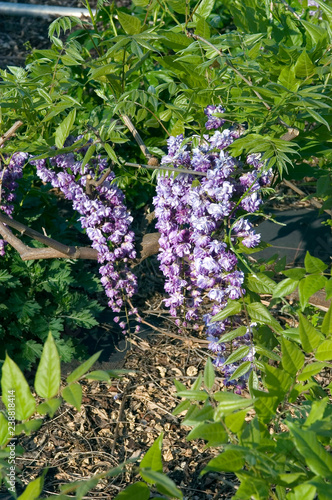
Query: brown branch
[55, 250]
[92, 182]
[10, 132]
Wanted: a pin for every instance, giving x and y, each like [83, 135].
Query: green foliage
[21, 406]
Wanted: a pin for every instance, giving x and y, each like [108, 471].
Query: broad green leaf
[228, 461]
[239, 332]
[14, 380]
[49, 407]
[324, 351]
[277, 380]
[34, 489]
[308, 286]
[5, 435]
[233, 307]
[317, 458]
[130, 24]
[229, 402]
[193, 394]
[313, 264]
[152, 458]
[318, 117]
[297, 273]
[213, 433]
[202, 29]
[260, 283]
[72, 393]
[288, 79]
[266, 404]
[327, 321]
[240, 353]
[304, 67]
[183, 406]
[137, 491]
[305, 491]
[29, 426]
[285, 287]
[198, 415]
[327, 9]
[178, 6]
[317, 33]
[316, 412]
[163, 483]
[48, 376]
[258, 312]
[266, 352]
[98, 375]
[253, 382]
[310, 337]
[241, 370]
[110, 152]
[88, 155]
[310, 371]
[292, 357]
[63, 130]
[204, 9]
[83, 368]
[235, 421]
[209, 375]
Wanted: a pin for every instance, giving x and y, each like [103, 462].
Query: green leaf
[63, 130]
[310, 338]
[304, 66]
[233, 307]
[297, 273]
[14, 380]
[88, 155]
[48, 376]
[137, 491]
[229, 402]
[277, 380]
[324, 351]
[213, 433]
[292, 357]
[317, 412]
[198, 415]
[29, 426]
[327, 321]
[110, 152]
[301, 491]
[202, 29]
[241, 370]
[317, 117]
[163, 483]
[285, 287]
[258, 312]
[228, 461]
[193, 394]
[83, 368]
[313, 264]
[130, 24]
[239, 332]
[310, 370]
[49, 407]
[4, 430]
[317, 33]
[235, 421]
[317, 458]
[183, 406]
[204, 9]
[152, 459]
[34, 488]
[72, 393]
[209, 375]
[308, 286]
[260, 283]
[240, 353]
[288, 79]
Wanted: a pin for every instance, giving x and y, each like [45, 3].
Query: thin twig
[126, 120]
[92, 182]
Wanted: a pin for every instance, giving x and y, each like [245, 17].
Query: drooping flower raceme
[104, 217]
[9, 174]
[194, 215]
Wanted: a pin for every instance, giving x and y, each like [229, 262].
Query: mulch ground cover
[120, 420]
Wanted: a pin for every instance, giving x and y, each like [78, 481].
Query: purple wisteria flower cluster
[9, 174]
[103, 215]
[194, 216]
